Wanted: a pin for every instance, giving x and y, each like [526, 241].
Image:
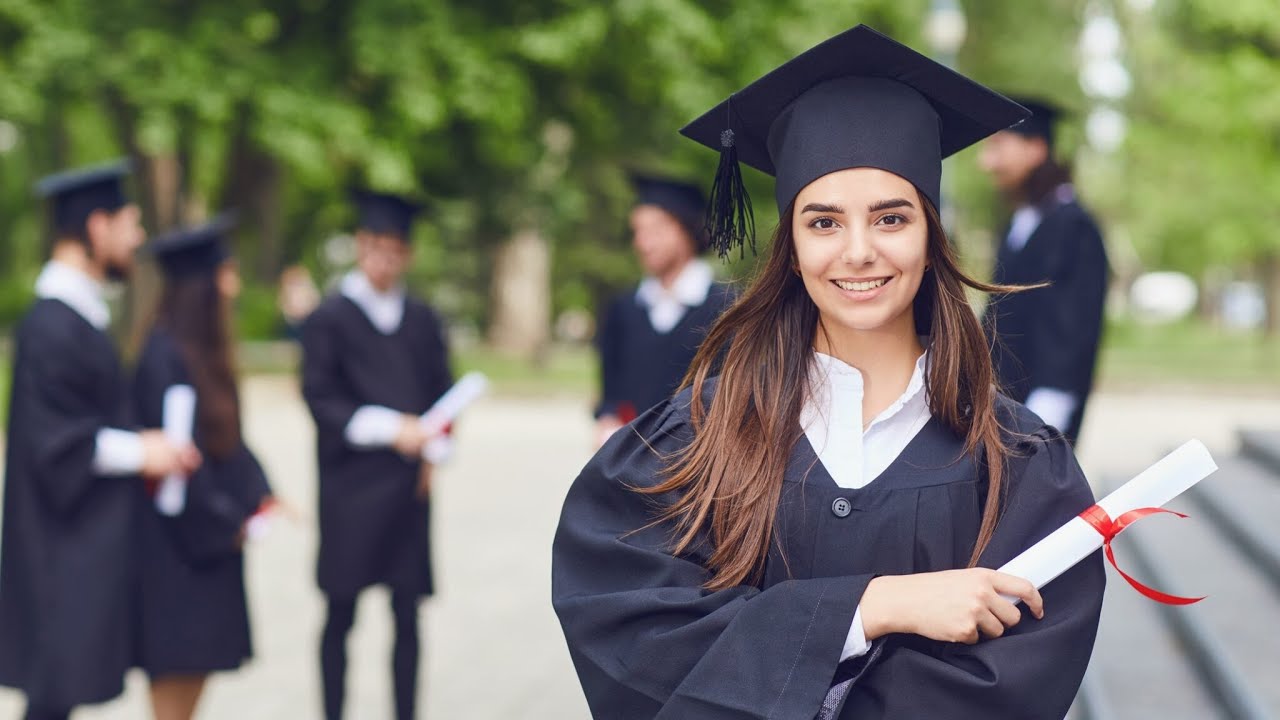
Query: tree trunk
[1269, 268]
[254, 187]
[521, 295]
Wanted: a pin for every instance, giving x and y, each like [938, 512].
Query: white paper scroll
[179, 420]
[1074, 541]
[447, 409]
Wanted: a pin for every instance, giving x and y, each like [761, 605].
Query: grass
[1190, 354]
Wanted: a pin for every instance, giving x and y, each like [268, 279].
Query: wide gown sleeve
[646, 638]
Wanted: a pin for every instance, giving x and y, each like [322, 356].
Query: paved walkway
[493, 645]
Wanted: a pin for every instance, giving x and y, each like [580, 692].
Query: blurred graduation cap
[74, 195]
[684, 201]
[1044, 117]
[859, 99]
[194, 250]
[384, 213]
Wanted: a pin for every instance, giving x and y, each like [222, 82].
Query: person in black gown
[72, 462]
[648, 336]
[194, 617]
[374, 360]
[1045, 341]
[811, 533]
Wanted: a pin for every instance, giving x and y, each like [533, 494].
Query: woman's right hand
[950, 606]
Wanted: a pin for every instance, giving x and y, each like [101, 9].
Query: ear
[96, 225]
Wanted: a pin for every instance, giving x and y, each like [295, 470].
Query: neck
[885, 356]
[669, 277]
[72, 253]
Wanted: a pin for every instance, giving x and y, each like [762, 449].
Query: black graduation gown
[639, 366]
[192, 610]
[1049, 337]
[648, 641]
[66, 564]
[373, 527]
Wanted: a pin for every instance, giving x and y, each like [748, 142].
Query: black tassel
[730, 220]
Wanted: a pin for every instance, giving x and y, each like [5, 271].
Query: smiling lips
[860, 285]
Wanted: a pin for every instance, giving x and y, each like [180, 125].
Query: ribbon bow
[1108, 529]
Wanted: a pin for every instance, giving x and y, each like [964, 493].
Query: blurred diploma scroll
[1076, 540]
[436, 421]
[179, 418]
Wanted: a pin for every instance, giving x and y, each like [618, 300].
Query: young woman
[193, 612]
[808, 530]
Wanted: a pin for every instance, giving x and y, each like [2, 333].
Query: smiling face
[861, 241]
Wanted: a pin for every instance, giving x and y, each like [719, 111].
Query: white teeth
[860, 286]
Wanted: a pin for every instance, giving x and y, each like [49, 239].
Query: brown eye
[823, 223]
[892, 220]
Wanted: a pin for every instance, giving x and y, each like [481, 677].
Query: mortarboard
[1044, 116]
[859, 99]
[684, 201]
[194, 250]
[383, 213]
[74, 195]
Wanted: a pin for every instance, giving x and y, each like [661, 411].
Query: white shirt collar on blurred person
[667, 306]
[73, 287]
[832, 421]
[384, 310]
[1026, 219]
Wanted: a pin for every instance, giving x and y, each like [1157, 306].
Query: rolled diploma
[179, 418]
[1063, 548]
[447, 409]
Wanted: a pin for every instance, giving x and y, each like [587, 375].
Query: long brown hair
[194, 313]
[730, 477]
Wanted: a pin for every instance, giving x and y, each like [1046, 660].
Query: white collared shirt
[384, 309]
[667, 306]
[116, 452]
[77, 290]
[832, 422]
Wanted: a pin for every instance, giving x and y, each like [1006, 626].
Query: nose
[858, 248]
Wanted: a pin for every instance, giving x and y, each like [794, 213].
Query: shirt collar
[76, 289]
[832, 375]
[384, 309]
[690, 288]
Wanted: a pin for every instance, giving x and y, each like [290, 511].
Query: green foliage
[512, 114]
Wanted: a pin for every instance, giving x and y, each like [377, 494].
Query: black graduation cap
[1044, 116]
[74, 195]
[384, 213]
[859, 99]
[685, 201]
[194, 250]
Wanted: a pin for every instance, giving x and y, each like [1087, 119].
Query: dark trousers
[404, 657]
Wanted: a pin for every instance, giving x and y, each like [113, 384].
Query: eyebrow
[823, 208]
[890, 204]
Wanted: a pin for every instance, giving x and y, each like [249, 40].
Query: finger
[1011, 586]
[990, 625]
[1005, 611]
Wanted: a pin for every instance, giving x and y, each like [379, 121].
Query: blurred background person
[298, 296]
[66, 571]
[194, 617]
[1044, 341]
[649, 335]
[374, 360]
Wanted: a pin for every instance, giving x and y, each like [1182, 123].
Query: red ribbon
[1108, 528]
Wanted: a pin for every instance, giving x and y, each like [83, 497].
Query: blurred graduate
[809, 529]
[374, 360]
[73, 462]
[193, 613]
[648, 336]
[1045, 341]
